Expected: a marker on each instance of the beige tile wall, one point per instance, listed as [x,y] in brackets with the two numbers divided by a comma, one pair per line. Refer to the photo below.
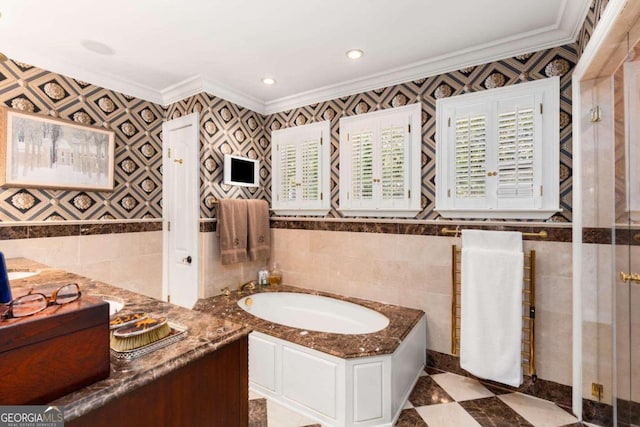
[214,276]
[415,271]
[132,261]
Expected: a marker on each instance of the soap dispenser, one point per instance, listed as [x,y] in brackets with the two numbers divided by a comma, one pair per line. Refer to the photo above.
[5,289]
[275,276]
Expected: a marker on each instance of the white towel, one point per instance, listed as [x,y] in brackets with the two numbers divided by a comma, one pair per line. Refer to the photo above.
[491,299]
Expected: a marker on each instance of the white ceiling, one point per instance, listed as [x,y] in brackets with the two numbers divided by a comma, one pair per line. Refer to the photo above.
[163,51]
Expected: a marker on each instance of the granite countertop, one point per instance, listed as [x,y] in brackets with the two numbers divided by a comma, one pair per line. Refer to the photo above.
[385,341]
[206,334]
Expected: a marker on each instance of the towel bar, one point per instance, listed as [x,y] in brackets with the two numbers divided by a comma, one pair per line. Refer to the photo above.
[528,308]
[542,234]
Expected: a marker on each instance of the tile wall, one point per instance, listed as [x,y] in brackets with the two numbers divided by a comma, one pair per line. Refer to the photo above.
[415,271]
[131,260]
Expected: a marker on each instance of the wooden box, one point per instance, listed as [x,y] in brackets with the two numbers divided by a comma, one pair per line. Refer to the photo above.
[54,352]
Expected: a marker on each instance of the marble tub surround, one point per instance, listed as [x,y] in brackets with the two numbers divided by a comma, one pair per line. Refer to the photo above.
[386,341]
[206,334]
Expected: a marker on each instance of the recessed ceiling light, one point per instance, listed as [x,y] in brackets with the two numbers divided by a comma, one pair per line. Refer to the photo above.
[354,53]
[268,80]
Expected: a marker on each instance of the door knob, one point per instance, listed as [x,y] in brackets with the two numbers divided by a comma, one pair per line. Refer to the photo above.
[186,260]
[631,277]
[178,161]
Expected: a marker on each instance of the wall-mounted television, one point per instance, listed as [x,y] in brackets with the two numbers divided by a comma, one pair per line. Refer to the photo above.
[241,171]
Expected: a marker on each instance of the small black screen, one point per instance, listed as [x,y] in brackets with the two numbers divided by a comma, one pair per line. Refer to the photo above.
[242,171]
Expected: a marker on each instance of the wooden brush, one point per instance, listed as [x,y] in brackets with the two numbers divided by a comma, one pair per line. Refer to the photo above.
[139,334]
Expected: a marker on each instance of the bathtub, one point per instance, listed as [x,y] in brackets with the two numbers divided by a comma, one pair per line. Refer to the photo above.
[314,313]
[358,391]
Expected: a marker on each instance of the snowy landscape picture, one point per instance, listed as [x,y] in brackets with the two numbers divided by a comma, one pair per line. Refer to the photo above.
[43,152]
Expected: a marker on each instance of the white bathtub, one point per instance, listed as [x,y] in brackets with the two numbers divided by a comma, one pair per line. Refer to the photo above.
[314,313]
[362,391]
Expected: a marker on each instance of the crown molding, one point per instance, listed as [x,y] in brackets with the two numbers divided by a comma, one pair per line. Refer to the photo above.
[575,18]
[491,52]
[565,30]
[181,90]
[239,98]
[417,71]
[103,80]
[196,84]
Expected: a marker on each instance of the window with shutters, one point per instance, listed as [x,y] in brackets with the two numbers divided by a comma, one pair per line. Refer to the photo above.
[497,152]
[300,170]
[380,163]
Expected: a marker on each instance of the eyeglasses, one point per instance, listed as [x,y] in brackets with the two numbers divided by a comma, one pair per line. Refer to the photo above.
[33,303]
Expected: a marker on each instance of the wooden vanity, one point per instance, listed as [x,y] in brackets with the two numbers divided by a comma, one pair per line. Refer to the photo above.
[209,391]
[201,380]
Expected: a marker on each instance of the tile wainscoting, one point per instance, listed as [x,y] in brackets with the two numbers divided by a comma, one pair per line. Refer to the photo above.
[414,270]
[125,254]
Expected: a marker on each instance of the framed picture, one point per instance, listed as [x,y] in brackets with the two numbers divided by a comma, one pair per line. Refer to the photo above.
[37,151]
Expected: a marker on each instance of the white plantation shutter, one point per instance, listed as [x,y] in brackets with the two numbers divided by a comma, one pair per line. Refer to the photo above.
[361,165]
[300,165]
[491,161]
[393,140]
[518,152]
[515,153]
[287,172]
[380,163]
[310,170]
[470,153]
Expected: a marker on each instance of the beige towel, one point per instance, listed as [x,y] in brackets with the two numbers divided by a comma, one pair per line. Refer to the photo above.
[258,230]
[232,229]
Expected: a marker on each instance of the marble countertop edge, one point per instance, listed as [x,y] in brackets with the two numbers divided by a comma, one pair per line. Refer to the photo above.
[206,335]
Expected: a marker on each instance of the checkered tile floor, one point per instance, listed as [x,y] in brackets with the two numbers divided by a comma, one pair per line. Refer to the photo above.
[445,400]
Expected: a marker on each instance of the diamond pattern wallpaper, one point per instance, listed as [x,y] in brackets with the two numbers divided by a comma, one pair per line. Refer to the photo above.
[229,128]
[138,152]
[226,128]
[591,20]
[532,66]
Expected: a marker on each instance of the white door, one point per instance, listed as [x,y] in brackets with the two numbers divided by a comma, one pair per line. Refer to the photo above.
[181,210]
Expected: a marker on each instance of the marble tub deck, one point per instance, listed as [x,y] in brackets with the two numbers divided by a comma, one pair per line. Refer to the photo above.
[385,341]
[206,334]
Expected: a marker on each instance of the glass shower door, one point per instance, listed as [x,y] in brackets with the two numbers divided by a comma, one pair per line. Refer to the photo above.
[627,245]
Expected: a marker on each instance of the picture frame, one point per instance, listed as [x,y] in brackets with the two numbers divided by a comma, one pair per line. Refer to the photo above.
[38,151]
